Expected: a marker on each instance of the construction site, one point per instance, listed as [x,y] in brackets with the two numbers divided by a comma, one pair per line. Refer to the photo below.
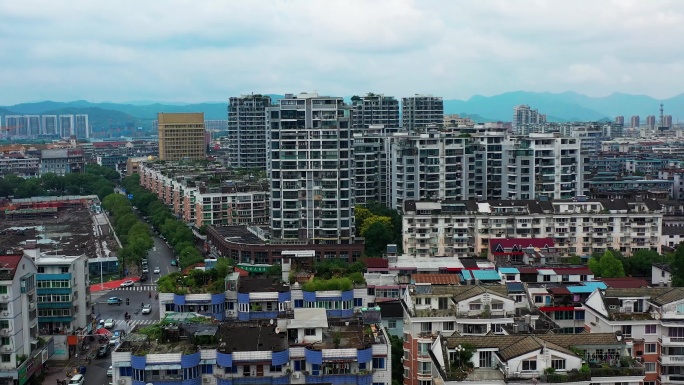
[71,225]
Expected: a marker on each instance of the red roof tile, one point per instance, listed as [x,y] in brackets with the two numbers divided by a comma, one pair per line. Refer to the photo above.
[527,270]
[625,283]
[10,261]
[572,270]
[559,290]
[376,263]
[436,279]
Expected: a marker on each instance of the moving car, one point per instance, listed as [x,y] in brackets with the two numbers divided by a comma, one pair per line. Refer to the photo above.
[127,283]
[147,308]
[77,380]
[174,262]
[109,323]
[116,337]
[110,371]
[157,270]
[103,351]
[114,301]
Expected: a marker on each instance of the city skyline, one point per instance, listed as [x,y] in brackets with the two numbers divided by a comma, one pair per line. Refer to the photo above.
[192,53]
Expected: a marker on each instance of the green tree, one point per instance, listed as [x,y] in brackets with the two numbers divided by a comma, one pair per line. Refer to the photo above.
[377,236]
[678,266]
[607,266]
[639,264]
[372,220]
[575,260]
[397,346]
[360,215]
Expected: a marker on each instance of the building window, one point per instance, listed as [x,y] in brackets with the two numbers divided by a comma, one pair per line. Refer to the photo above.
[358,302]
[3,289]
[627,330]
[529,365]
[391,324]
[475,306]
[424,368]
[497,306]
[379,363]
[558,363]
[650,367]
[449,325]
[6,358]
[426,327]
[650,348]
[650,329]
[309,332]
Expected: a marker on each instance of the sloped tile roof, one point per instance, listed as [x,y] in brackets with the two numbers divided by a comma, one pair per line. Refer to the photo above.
[436,279]
[672,295]
[625,283]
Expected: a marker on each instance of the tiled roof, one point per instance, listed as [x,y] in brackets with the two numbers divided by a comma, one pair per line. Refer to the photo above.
[512,346]
[519,244]
[527,270]
[572,271]
[672,295]
[625,283]
[640,292]
[10,261]
[436,279]
[376,263]
[515,287]
[508,270]
[472,291]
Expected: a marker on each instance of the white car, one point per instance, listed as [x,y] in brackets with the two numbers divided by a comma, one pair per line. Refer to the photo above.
[157,270]
[127,283]
[110,371]
[147,308]
[109,323]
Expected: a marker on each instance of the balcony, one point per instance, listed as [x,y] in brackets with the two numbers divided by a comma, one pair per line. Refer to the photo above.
[671,360]
[672,341]
[672,378]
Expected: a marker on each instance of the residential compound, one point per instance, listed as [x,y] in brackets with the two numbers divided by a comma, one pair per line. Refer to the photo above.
[375,110]
[247,141]
[457,228]
[47,126]
[204,195]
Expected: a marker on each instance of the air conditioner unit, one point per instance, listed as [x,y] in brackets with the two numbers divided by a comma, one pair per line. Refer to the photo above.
[4,332]
[5,296]
[8,348]
[295,375]
[32,306]
[5,313]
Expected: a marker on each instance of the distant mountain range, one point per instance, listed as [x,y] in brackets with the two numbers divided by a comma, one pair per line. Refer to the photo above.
[566,106]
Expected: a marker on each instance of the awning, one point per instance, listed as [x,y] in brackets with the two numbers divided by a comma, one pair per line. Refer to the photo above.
[103,332]
[121,364]
[163,367]
[207,362]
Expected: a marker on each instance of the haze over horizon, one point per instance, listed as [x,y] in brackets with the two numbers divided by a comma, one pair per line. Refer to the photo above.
[181,51]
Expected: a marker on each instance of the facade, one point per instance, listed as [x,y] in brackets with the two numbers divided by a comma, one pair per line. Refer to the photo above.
[463,228]
[62,161]
[81,126]
[375,110]
[634,121]
[247,130]
[620,119]
[651,121]
[50,125]
[310,348]
[181,136]
[523,114]
[66,126]
[311,167]
[20,165]
[421,112]
[372,179]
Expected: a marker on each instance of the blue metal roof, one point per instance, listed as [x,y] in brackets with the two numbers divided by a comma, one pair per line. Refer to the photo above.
[486,275]
[596,284]
[515,287]
[466,275]
[509,270]
[587,287]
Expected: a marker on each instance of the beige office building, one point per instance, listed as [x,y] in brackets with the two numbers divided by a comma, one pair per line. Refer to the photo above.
[181,136]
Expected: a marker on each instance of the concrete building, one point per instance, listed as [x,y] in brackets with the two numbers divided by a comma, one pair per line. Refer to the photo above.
[421,112]
[247,131]
[634,121]
[464,228]
[62,161]
[372,174]
[620,119]
[181,136]
[311,166]
[523,114]
[542,165]
[50,125]
[375,110]
[20,165]
[66,126]
[81,126]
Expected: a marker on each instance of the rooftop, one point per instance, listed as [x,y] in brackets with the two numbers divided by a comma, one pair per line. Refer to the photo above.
[237,337]
[261,285]
[239,234]
[8,266]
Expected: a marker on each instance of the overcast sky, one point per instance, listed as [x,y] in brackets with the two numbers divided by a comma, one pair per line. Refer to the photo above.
[202,50]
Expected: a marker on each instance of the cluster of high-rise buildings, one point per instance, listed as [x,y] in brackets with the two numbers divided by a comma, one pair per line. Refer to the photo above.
[46,126]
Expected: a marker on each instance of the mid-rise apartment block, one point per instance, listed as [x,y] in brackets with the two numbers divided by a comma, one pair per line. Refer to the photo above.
[311,166]
[181,136]
[634,121]
[375,110]
[247,131]
[62,161]
[421,112]
[50,125]
[81,126]
[463,228]
[523,114]
[20,165]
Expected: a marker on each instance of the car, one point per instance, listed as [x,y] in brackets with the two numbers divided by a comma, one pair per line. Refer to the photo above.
[110,371]
[114,301]
[157,270]
[145,270]
[117,335]
[77,380]
[174,262]
[147,308]
[109,323]
[103,351]
[127,283]
[143,278]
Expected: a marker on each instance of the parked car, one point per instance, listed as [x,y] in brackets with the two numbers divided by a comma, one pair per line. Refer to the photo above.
[109,323]
[110,371]
[147,308]
[77,380]
[143,278]
[174,262]
[103,351]
[114,301]
[127,283]
[145,270]
[157,270]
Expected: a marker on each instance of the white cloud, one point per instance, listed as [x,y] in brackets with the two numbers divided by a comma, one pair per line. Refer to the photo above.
[181,50]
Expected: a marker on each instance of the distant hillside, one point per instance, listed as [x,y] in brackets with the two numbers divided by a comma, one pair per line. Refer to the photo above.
[4,111]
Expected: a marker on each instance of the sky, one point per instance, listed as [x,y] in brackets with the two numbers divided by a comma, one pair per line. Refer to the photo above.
[209,50]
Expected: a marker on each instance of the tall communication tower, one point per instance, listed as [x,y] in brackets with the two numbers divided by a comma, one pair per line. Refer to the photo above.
[662,117]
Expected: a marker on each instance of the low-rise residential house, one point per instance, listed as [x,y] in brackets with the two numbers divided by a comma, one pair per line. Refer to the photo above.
[661,274]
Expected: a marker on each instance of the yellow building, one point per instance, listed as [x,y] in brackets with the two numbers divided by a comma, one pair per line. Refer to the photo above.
[181,136]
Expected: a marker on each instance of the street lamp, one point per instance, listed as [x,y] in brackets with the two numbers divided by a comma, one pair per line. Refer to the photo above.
[458,350]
